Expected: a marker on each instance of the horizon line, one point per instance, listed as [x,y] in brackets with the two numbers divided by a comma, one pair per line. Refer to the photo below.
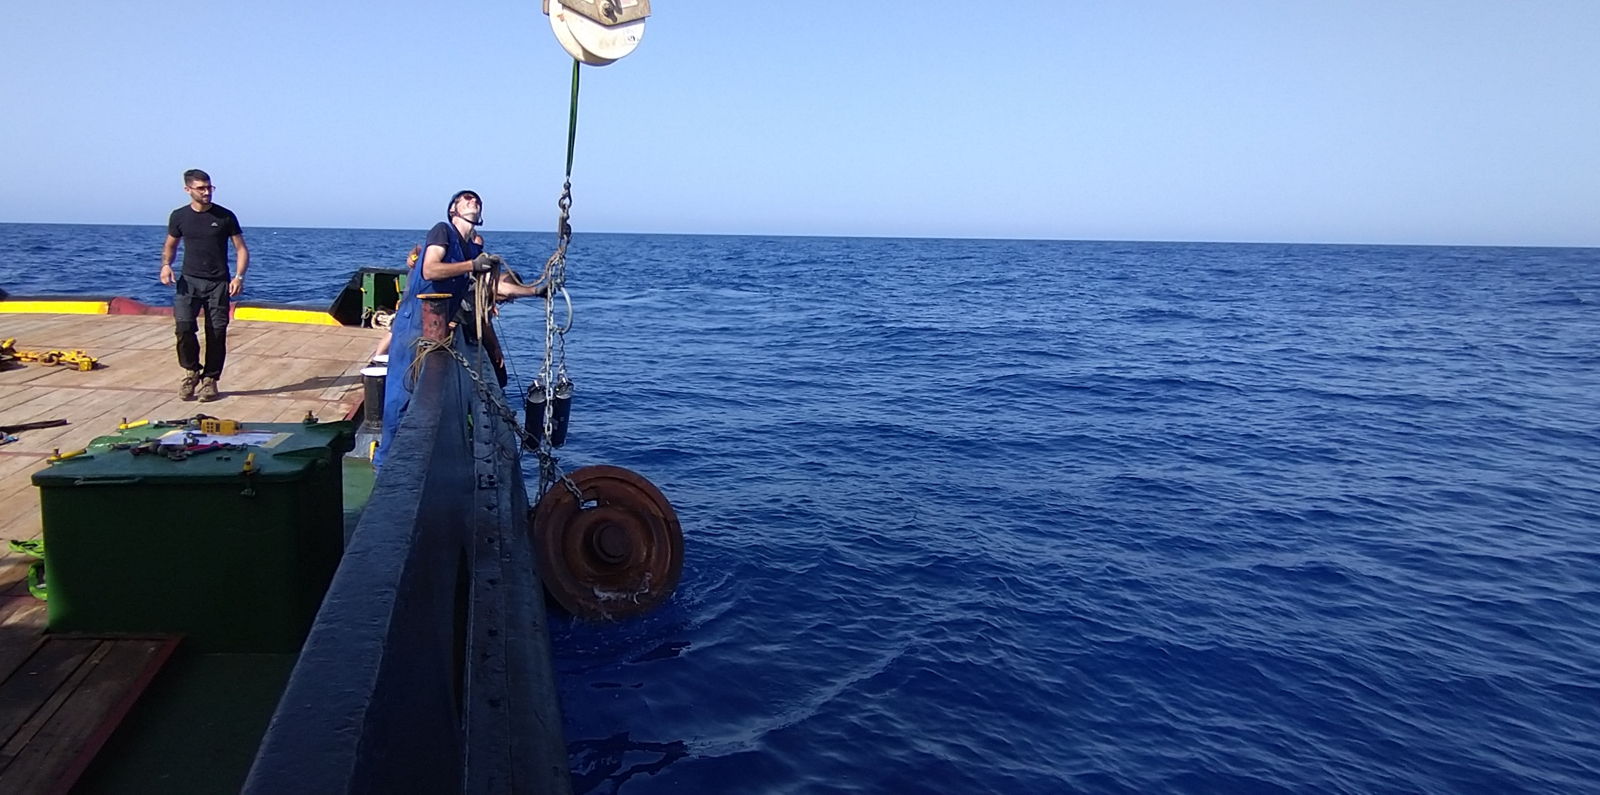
[973,238]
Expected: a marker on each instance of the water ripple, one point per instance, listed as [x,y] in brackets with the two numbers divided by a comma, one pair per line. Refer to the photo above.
[999,516]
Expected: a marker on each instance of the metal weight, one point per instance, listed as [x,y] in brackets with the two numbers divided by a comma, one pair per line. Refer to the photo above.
[561,412]
[615,555]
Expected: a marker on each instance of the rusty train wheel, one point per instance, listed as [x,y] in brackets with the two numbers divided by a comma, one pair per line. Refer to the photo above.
[616,555]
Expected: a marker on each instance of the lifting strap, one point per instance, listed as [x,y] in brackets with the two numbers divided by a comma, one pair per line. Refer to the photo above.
[36,581]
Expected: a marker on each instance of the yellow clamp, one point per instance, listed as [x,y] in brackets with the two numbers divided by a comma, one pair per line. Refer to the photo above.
[78,359]
[60,456]
[84,361]
[128,426]
[217,427]
[249,463]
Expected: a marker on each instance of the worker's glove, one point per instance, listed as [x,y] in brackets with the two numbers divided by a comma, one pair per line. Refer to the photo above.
[484,263]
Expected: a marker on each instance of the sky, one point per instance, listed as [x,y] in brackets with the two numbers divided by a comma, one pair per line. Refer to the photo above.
[1404,121]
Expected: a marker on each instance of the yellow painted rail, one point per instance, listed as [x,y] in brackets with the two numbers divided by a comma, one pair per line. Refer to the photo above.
[56,307]
[284,315]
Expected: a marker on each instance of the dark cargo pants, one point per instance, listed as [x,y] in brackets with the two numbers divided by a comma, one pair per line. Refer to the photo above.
[193,296]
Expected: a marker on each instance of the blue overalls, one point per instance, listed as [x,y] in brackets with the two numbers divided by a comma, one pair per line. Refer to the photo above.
[407,329]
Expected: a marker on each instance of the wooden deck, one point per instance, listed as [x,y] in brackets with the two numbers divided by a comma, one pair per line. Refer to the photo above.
[275,373]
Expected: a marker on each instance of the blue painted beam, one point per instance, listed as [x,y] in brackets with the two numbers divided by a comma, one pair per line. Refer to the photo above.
[428,668]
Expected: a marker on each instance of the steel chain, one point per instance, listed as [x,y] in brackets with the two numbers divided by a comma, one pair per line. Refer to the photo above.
[507,414]
[552,371]
[555,356]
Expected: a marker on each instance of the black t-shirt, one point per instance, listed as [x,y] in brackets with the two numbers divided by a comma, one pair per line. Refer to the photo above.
[205,239]
[441,234]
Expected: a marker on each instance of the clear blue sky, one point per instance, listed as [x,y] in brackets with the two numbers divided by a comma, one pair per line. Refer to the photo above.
[1454,122]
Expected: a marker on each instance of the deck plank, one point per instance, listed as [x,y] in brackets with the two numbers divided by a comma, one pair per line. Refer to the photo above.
[20,395]
[30,688]
[21,508]
[90,407]
[81,717]
[14,576]
[12,779]
[19,637]
[16,464]
[32,404]
[23,521]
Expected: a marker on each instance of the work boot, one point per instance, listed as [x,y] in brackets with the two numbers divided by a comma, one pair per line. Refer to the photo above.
[208,390]
[186,388]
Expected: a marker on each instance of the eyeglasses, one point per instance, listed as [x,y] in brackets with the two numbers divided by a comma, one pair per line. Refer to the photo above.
[201,188]
[471,197]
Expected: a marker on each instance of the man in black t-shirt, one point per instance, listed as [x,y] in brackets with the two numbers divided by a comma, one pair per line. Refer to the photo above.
[205,230]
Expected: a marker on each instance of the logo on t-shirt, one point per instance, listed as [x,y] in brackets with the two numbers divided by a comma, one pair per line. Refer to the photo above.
[213,223]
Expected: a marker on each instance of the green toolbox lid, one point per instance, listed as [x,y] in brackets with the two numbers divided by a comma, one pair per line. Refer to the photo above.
[149,455]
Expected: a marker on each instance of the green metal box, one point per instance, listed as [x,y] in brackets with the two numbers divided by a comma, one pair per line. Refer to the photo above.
[235,560]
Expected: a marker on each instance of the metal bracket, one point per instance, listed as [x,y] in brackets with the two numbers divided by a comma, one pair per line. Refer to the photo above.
[609,12]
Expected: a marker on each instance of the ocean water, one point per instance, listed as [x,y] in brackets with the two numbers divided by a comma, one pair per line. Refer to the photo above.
[1003,516]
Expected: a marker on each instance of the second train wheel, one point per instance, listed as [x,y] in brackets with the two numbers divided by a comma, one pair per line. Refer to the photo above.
[615,555]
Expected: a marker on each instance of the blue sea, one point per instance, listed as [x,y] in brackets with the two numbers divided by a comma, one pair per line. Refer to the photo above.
[973,516]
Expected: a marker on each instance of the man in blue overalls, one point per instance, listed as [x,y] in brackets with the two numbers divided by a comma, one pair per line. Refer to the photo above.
[449,258]
[451,255]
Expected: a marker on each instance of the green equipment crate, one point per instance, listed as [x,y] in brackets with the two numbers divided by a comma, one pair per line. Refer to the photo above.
[235,561]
